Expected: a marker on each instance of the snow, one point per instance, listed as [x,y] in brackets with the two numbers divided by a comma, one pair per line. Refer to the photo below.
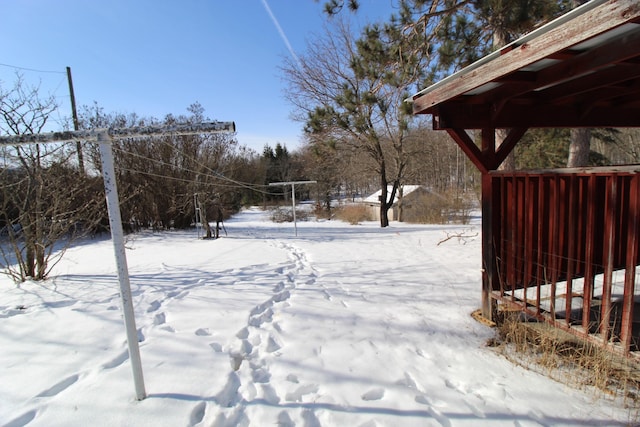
[341,326]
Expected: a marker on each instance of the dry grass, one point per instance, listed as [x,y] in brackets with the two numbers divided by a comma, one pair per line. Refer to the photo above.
[568,359]
[353,214]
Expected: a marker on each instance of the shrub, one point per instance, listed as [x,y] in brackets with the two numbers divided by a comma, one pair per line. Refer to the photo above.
[354,214]
[282,214]
[434,208]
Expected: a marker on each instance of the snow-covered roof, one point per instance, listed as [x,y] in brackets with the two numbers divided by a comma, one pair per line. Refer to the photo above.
[407,189]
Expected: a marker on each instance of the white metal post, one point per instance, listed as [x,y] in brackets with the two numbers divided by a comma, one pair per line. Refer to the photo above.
[197,210]
[293,205]
[293,196]
[117,235]
[104,138]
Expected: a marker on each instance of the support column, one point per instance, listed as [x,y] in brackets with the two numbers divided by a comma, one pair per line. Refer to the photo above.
[489,273]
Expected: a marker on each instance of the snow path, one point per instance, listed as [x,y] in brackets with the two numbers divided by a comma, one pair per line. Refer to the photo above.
[342,326]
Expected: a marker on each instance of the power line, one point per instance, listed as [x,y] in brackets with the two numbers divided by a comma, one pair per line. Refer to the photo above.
[212,174]
[248,185]
[31,69]
[191,181]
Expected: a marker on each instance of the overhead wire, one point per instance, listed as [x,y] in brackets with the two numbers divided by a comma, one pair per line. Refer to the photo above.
[212,174]
[60,120]
[32,69]
[216,173]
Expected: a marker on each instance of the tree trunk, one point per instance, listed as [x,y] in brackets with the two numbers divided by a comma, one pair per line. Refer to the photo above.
[205,222]
[384,212]
[500,38]
[30,261]
[580,138]
[207,229]
[400,204]
[509,163]
[579,148]
[219,217]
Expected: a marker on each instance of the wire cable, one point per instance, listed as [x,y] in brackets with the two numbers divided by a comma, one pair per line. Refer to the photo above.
[213,174]
[32,69]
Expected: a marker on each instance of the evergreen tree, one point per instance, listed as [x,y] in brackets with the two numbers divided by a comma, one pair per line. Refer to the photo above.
[357,97]
[456,33]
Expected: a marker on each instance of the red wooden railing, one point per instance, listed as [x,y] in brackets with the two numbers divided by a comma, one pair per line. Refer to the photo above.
[566,247]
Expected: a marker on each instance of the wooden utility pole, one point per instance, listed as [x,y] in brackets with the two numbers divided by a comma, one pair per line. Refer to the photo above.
[76,125]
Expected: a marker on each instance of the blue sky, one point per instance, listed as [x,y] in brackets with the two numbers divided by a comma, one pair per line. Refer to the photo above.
[158,57]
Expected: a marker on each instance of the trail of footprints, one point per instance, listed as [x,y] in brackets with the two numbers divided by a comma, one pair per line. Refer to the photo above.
[260,340]
[249,376]
[60,387]
[256,343]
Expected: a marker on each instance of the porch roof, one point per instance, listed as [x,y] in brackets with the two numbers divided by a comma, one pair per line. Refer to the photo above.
[580,70]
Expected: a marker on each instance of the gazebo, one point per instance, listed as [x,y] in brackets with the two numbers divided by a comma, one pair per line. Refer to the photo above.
[560,245]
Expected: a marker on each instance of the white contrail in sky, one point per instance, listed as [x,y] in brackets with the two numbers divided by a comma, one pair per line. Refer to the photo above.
[282,34]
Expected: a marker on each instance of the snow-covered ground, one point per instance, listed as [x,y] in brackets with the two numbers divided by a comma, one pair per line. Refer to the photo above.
[341,326]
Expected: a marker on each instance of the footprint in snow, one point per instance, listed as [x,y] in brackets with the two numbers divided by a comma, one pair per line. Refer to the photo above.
[297,394]
[60,304]
[59,387]
[310,419]
[260,374]
[155,305]
[177,294]
[203,332]
[237,418]
[117,361]
[265,317]
[22,420]
[197,413]
[269,394]
[439,417]
[292,378]
[284,420]
[229,394]
[373,394]
[159,319]
[273,345]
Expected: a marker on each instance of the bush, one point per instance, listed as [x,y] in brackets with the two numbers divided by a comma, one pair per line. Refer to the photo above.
[354,214]
[282,214]
[434,208]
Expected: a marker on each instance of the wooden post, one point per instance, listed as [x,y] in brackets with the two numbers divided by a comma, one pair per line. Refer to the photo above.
[489,274]
[76,124]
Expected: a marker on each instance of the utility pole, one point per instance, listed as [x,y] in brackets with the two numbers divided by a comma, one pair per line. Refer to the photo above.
[293,196]
[76,125]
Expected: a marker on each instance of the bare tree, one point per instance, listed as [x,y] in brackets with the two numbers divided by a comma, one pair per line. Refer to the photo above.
[44,204]
[158,177]
[352,92]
